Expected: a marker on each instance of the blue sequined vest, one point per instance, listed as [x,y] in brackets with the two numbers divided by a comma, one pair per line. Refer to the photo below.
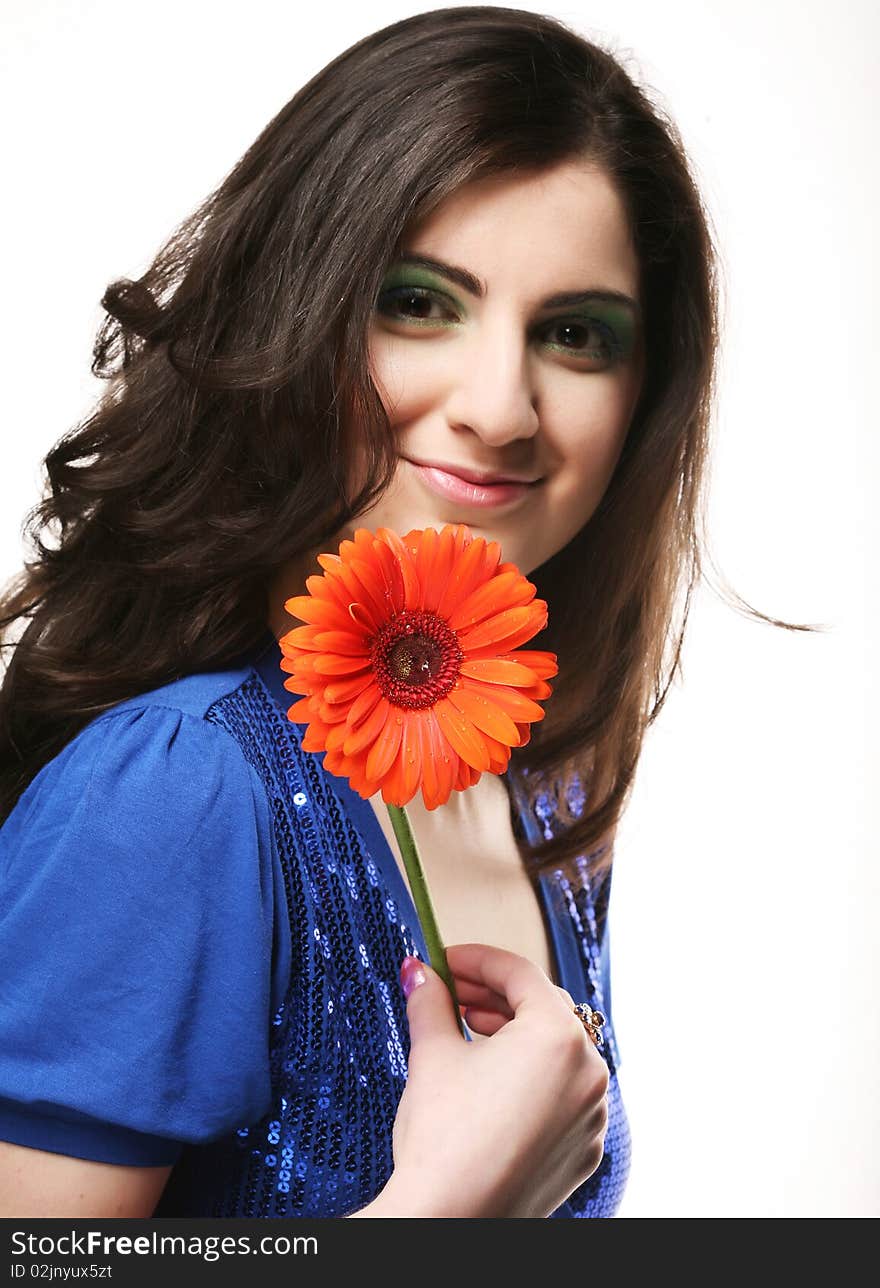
[339,1042]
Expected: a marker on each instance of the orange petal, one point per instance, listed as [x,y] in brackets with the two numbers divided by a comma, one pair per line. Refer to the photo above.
[393,789]
[391,574]
[525,733]
[321,587]
[511,701]
[426,555]
[467,776]
[494,670]
[496,627]
[330,715]
[300,712]
[363,704]
[484,713]
[466,575]
[441,566]
[460,732]
[348,690]
[462,538]
[332,590]
[296,688]
[329,562]
[406,567]
[301,667]
[366,735]
[491,557]
[430,782]
[542,663]
[411,754]
[349,767]
[297,638]
[442,755]
[335,763]
[365,575]
[499,752]
[319,611]
[539,692]
[363,537]
[362,617]
[334,664]
[506,590]
[342,642]
[500,631]
[313,738]
[348,589]
[294,685]
[335,737]
[384,749]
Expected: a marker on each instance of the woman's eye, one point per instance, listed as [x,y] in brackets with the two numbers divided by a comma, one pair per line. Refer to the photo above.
[589,339]
[414,304]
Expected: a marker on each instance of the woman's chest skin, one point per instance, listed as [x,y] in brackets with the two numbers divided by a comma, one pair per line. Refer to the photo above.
[476,876]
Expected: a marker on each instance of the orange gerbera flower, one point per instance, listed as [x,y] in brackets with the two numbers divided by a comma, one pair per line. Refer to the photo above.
[409,662]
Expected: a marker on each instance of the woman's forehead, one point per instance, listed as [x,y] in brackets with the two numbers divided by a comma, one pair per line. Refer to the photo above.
[538,228]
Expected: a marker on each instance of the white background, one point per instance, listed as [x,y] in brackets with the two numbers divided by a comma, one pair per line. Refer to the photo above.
[745,957]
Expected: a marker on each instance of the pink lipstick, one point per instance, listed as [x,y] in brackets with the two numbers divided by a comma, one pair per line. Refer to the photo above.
[444,483]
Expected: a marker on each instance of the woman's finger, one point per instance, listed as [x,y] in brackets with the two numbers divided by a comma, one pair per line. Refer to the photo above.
[479,995]
[519,981]
[485,1022]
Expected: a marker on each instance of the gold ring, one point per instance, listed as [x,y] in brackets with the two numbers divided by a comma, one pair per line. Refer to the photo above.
[591,1020]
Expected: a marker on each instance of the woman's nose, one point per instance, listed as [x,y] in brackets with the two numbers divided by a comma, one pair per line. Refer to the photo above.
[491,390]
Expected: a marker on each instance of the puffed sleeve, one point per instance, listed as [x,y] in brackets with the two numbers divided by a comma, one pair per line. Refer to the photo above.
[137,909]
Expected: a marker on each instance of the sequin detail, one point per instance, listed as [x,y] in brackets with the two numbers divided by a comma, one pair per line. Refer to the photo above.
[539,811]
[339,1043]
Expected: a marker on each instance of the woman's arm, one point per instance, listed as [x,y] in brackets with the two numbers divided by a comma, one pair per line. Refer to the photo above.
[509,1127]
[36,1183]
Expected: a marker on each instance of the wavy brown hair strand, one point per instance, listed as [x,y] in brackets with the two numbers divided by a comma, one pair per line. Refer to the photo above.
[238,390]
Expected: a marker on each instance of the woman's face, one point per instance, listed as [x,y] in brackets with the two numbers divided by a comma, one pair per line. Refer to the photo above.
[482,367]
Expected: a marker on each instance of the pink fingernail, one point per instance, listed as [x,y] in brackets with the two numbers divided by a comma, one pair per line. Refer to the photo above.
[412,974]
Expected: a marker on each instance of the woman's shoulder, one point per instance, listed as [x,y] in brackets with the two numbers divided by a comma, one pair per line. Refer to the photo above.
[180,706]
[155,759]
[192,694]
[138,889]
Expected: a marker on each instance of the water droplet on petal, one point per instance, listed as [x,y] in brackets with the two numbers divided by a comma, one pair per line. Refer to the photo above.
[398,719]
[411,758]
[446,760]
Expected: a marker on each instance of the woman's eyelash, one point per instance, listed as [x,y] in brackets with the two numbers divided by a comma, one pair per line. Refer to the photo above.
[608,346]
[401,293]
[608,337]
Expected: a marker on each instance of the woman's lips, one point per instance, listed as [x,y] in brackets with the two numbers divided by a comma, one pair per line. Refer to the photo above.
[441,483]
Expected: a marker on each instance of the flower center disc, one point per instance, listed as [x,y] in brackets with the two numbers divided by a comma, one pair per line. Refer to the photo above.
[416,659]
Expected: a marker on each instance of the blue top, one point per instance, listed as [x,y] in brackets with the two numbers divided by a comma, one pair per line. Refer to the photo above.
[201,933]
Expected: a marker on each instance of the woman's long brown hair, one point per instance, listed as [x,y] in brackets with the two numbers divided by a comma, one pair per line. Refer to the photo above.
[237,371]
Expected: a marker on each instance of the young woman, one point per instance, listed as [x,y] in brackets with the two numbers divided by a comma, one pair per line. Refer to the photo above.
[469,247]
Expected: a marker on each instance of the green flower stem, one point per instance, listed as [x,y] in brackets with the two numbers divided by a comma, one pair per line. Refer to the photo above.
[422,900]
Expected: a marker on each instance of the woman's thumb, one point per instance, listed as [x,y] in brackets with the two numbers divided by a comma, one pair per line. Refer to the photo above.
[429,1006]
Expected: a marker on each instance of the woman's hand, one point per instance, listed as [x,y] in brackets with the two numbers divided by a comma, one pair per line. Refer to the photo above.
[505,1127]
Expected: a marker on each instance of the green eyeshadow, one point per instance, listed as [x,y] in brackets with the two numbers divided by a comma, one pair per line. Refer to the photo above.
[406,275]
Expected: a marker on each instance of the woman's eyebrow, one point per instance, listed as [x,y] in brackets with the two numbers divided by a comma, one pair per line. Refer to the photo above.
[566,299]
